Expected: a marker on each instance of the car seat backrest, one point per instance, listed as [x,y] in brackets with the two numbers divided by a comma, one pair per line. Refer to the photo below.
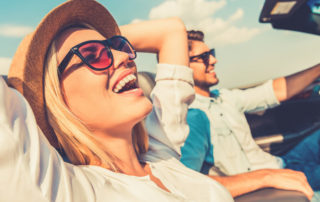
[146,82]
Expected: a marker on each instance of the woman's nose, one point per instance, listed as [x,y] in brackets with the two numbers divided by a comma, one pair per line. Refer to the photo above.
[120,59]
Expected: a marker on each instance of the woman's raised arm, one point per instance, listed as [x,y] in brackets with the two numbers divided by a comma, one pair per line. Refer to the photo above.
[166,37]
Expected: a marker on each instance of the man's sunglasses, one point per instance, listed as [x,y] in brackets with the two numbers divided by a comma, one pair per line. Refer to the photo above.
[205,57]
[97,54]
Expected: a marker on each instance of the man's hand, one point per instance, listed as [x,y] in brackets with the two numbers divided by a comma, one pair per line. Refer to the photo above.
[289,180]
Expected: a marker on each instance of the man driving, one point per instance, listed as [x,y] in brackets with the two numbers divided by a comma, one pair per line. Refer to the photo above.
[220,135]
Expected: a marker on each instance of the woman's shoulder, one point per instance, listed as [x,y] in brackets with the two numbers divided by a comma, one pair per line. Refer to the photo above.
[179,176]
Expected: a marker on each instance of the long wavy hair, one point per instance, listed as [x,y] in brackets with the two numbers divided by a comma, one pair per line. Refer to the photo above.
[75,138]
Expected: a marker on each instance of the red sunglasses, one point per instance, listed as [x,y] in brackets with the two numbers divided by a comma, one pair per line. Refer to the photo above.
[97,54]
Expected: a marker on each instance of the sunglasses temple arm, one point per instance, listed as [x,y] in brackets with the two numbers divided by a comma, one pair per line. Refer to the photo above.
[65,62]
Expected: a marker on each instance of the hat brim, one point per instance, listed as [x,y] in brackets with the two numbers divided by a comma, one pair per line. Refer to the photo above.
[26,72]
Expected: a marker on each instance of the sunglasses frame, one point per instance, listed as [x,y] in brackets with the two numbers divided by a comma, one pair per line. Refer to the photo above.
[203,55]
[107,43]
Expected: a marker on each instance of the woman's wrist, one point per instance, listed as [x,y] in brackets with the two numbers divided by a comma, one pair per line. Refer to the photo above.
[174,49]
[167,37]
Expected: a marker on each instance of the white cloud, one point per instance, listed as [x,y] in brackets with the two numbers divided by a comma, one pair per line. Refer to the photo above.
[237,15]
[136,20]
[4,65]
[14,30]
[191,11]
[200,15]
[233,35]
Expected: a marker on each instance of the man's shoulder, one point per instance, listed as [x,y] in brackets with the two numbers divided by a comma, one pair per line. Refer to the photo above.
[230,95]
[225,91]
[199,124]
[197,115]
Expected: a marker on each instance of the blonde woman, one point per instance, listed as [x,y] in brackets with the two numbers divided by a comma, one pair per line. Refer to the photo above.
[78,75]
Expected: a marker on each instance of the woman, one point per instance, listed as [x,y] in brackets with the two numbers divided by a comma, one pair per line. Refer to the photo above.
[79,77]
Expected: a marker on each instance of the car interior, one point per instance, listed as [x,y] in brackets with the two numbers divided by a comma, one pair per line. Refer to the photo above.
[270,135]
[279,129]
[295,15]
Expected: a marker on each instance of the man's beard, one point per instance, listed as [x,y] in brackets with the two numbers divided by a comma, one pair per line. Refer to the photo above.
[205,85]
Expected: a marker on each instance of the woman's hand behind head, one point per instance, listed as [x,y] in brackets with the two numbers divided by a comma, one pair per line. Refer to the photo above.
[166,37]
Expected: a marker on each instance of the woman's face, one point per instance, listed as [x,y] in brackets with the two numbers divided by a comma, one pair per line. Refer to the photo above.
[91,95]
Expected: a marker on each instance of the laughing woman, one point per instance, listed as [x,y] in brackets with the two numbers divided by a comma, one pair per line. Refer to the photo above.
[78,75]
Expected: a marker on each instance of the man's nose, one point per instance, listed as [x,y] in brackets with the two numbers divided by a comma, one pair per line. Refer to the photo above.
[212,60]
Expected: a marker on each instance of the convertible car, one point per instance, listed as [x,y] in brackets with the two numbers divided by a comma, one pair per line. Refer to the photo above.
[279,129]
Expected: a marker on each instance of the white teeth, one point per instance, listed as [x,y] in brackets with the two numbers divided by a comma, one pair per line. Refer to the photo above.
[123,82]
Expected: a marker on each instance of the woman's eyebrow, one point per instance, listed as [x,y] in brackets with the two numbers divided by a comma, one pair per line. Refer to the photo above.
[89,49]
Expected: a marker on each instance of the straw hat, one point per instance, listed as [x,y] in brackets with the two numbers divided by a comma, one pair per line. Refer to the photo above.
[27,67]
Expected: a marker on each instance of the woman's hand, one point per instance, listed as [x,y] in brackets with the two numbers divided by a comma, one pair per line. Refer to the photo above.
[289,180]
[166,37]
[276,178]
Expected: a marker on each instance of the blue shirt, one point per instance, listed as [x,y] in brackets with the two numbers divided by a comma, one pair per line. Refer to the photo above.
[198,149]
[234,149]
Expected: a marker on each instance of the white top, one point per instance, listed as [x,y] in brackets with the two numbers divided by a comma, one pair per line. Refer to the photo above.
[32,170]
[234,149]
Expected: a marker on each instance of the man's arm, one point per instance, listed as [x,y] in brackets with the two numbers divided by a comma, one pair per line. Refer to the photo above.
[273,178]
[289,86]
[193,155]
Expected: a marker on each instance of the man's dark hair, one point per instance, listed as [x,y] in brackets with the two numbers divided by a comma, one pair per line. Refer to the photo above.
[195,35]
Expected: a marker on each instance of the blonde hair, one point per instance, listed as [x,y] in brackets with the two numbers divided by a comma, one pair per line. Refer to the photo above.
[75,138]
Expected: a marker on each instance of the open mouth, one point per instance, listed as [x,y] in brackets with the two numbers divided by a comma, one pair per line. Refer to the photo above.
[126,84]
[210,70]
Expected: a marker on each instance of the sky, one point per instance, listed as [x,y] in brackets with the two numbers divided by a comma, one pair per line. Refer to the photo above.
[247,51]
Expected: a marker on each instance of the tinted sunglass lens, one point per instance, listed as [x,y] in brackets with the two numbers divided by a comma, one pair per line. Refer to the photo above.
[206,58]
[96,55]
[123,45]
[213,52]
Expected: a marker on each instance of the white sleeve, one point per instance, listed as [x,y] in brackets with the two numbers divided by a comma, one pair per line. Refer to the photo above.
[253,99]
[171,97]
[31,169]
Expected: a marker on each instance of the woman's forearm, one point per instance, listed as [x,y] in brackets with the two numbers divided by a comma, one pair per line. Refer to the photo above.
[166,37]
[276,178]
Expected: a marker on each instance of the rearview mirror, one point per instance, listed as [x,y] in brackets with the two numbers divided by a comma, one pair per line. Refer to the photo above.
[297,15]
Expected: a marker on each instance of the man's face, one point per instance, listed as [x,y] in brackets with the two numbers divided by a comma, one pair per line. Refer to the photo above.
[203,74]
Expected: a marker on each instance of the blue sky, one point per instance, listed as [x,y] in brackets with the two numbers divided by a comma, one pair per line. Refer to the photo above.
[248,52]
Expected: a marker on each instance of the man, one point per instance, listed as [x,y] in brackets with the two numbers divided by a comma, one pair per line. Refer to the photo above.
[220,135]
